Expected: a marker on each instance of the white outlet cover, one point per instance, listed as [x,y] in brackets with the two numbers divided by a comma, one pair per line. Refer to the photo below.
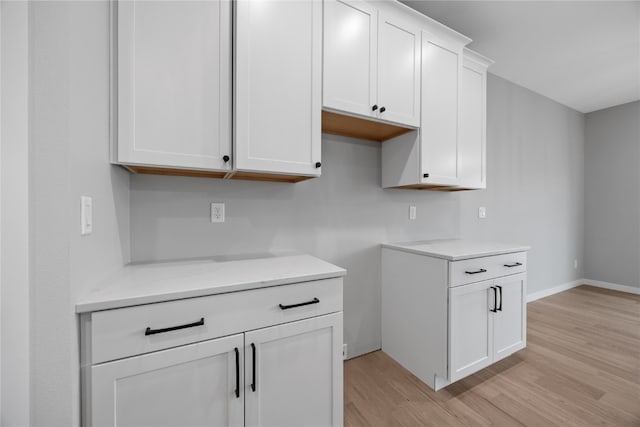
[86,215]
[482,212]
[217,212]
[413,212]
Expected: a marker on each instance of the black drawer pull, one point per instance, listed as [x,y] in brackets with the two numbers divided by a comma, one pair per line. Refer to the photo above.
[253,379]
[495,300]
[517,264]
[500,306]
[482,270]
[150,331]
[286,307]
[237,373]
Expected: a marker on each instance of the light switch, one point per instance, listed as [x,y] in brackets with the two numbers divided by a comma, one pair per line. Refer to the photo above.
[482,212]
[86,215]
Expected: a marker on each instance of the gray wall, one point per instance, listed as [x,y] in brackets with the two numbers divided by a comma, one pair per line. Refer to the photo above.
[535,183]
[69,101]
[612,203]
[535,197]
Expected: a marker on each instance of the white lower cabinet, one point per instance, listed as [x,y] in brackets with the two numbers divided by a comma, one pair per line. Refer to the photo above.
[282,368]
[294,374]
[444,319]
[192,385]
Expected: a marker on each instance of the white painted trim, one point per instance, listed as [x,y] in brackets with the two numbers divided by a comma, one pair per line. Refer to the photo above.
[612,286]
[556,289]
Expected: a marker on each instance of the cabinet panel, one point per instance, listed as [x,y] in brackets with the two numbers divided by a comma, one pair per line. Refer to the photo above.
[398,70]
[350,56]
[173,80]
[298,374]
[439,123]
[472,158]
[278,86]
[470,329]
[193,385]
[510,322]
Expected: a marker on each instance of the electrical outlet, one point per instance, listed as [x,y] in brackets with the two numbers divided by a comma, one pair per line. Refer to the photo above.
[575,264]
[344,351]
[482,212]
[413,212]
[217,212]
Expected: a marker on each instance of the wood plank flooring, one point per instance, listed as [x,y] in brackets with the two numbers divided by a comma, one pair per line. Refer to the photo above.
[581,367]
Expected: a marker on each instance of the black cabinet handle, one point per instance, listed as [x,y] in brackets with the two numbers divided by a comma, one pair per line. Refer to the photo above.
[318,164]
[253,379]
[516,264]
[237,372]
[374,108]
[226,158]
[150,331]
[495,300]
[383,109]
[500,307]
[286,307]
[482,270]
[425,175]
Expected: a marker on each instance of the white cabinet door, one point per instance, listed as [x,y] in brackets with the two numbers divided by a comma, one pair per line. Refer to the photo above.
[398,70]
[350,56]
[441,67]
[293,373]
[510,322]
[472,142]
[173,80]
[278,86]
[192,385]
[470,328]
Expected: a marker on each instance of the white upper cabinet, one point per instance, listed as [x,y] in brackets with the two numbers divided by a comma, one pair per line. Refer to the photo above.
[473,119]
[172,84]
[278,87]
[350,29]
[371,62]
[441,69]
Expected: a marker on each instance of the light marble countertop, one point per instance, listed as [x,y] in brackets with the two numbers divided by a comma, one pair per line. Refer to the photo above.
[456,249]
[148,283]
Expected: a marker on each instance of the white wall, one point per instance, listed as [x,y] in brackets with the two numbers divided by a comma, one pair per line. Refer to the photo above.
[14,224]
[69,51]
[535,197]
[612,204]
[535,183]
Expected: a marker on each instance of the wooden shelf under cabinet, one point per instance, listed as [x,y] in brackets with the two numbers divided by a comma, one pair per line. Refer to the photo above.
[356,127]
[241,175]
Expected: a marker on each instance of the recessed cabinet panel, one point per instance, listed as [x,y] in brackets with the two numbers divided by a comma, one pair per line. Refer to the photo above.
[173,81]
[350,56]
[470,329]
[298,373]
[278,86]
[398,70]
[510,320]
[192,385]
[439,125]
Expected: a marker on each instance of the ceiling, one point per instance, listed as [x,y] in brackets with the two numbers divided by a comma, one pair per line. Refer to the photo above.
[583,54]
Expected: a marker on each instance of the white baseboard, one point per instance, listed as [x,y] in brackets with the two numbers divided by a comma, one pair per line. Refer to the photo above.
[597,283]
[612,286]
[560,288]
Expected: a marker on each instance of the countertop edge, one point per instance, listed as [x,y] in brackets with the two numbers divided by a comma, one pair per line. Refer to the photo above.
[456,258]
[89,306]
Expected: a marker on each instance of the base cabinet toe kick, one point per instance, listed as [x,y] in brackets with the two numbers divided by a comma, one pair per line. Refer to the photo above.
[268,356]
[445,319]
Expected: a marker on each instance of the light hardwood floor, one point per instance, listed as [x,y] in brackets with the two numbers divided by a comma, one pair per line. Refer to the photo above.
[581,367]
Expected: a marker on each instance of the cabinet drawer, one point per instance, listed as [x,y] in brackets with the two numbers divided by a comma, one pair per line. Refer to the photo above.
[141,329]
[484,268]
